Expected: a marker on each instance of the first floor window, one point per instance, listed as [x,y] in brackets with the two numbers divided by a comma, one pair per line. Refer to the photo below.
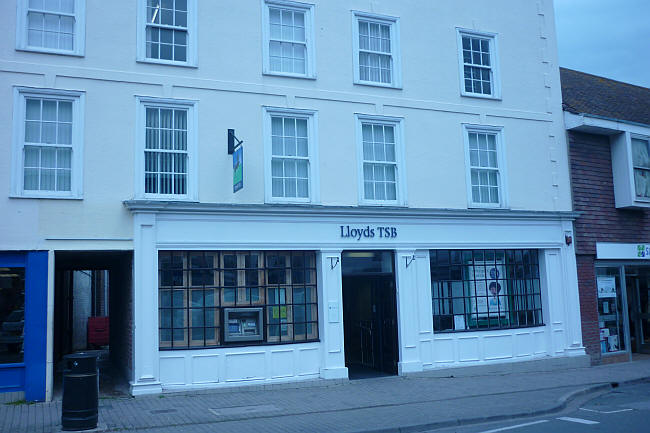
[167,31]
[216,298]
[380,162]
[485,289]
[48,143]
[484,168]
[166,144]
[291,155]
[641,163]
[166,151]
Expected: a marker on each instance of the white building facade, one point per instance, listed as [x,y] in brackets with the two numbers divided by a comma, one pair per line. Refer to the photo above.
[405,202]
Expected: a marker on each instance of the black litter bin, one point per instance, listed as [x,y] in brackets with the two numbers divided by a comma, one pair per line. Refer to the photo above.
[80,392]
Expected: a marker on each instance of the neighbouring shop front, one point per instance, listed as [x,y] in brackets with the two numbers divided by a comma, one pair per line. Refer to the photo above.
[623,287]
[23,325]
[226,296]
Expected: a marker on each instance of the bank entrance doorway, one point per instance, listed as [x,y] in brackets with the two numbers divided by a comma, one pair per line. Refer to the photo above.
[637,284]
[369,313]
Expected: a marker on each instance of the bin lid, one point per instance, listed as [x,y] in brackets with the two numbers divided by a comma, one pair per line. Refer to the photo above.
[83,355]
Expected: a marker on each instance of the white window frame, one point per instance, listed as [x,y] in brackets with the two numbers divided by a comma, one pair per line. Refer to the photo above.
[192,60]
[400,158]
[494,60]
[192,146]
[308,10]
[501,161]
[639,200]
[17,159]
[312,135]
[393,22]
[79,41]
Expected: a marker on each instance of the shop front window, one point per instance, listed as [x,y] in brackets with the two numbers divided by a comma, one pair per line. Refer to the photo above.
[12,315]
[610,310]
[485,289]
[217,298]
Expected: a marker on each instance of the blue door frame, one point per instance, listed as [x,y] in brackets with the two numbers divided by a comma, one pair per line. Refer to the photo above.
[29,375]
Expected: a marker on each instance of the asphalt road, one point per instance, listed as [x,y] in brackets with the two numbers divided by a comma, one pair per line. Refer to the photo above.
[625,409]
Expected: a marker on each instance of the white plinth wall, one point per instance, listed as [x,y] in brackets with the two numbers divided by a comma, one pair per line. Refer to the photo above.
[158,227]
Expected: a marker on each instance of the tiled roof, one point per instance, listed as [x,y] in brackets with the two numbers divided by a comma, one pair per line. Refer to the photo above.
[590,94]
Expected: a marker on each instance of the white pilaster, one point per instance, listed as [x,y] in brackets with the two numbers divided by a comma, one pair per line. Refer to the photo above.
[407,311]
[145,308]
[572,296]
[330,284]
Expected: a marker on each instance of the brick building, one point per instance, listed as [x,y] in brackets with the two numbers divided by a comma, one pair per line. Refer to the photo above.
[608,124]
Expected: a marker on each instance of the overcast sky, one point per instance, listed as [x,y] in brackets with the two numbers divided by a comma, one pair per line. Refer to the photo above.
[610,38]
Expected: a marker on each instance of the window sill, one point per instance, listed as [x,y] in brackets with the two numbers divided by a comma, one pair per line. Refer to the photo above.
[486,206]
[460,331]
[40,50]
[275,200]
[168,63]
[382,203]
[183,198]
[480,96]
[288,75]
[373,84]
[46,196]
[230,346]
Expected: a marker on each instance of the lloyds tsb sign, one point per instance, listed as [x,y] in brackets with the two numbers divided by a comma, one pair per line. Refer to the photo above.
[368,232]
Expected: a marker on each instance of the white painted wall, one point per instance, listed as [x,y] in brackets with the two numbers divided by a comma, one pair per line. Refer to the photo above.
[231,90]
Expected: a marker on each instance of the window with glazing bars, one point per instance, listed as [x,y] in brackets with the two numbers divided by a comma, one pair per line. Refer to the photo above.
[379,162]
[47,145]
[641,163]
[195,287]
[485,289]
[290,157]
[484,167]
[165,151]
[287,41]
[477,64]
[375,52]
[50,24]
[166,30]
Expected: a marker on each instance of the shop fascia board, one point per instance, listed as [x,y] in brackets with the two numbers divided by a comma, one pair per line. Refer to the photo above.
[172,207]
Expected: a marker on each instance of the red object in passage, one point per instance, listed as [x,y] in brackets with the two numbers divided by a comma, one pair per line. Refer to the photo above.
[98,331]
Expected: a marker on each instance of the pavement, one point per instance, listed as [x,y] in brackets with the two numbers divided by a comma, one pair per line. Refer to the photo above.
[412,403]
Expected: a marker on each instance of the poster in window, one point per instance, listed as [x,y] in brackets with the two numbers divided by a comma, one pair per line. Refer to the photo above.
[488,289]
[606,287]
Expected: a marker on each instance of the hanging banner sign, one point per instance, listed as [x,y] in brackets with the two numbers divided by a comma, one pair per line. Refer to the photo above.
[238,169]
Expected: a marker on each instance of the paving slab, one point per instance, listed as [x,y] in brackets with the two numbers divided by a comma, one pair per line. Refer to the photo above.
[408,403]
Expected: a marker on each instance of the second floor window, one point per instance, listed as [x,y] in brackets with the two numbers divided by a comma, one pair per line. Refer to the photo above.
[377,50]
[288,46]
[641,162]
[167,32]
[479,75]
[54,26]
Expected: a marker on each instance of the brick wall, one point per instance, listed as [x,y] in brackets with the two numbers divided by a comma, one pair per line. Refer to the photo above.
[593,196]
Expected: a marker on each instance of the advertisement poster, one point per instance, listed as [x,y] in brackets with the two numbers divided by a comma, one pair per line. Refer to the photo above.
[606,287]
[238,169]
[490,289]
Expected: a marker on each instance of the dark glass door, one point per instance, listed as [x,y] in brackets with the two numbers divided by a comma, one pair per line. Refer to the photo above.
[370,312]
[638,291]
